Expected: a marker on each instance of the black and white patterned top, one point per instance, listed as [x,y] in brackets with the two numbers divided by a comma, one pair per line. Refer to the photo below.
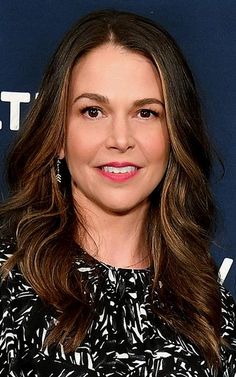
[126,339]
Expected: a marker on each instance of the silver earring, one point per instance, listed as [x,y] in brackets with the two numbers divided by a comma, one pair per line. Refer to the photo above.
[58,171]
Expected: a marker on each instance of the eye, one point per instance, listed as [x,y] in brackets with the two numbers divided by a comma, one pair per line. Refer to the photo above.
[147,113]
[91,112]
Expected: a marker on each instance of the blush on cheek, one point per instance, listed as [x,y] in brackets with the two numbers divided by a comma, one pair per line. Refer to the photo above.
[158,151]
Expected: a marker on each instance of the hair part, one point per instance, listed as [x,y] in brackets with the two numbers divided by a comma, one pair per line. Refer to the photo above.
[180,223]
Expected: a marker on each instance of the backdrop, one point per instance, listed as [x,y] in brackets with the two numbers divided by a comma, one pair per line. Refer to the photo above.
[206,31]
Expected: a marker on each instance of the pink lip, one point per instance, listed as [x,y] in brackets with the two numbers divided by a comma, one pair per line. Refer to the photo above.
[119,164]
[121,177]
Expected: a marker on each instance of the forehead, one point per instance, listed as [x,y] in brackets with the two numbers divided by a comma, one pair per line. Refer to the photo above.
[111,67]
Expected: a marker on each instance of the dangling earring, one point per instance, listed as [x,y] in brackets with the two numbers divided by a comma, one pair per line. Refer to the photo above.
[58,170]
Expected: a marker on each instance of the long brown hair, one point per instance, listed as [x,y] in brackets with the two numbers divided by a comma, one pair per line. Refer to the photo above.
[41,217]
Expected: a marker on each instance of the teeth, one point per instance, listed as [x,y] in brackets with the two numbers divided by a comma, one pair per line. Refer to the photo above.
[125,169]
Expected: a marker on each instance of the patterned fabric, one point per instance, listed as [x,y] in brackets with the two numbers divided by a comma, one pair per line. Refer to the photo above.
[126,339]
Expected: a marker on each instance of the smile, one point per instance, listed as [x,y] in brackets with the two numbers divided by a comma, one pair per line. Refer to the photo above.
[118,174]
[116,170]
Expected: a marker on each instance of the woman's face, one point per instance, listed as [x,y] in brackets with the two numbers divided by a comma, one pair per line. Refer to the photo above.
[116,115]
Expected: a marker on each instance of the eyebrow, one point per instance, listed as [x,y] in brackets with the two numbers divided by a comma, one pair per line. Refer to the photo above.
[102,99]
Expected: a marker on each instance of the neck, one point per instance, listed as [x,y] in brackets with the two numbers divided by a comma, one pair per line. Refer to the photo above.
[115,238]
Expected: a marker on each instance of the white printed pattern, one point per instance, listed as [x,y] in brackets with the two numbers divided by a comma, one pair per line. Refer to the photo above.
[124,340]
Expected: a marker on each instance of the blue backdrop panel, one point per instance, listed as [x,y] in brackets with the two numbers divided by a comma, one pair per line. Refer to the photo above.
[206,31]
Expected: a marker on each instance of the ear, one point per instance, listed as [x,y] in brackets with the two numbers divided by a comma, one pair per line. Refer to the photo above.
[61,154]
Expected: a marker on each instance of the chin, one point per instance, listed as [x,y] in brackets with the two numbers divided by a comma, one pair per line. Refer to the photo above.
[118,208]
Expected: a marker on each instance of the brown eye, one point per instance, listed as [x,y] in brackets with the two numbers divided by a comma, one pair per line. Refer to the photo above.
[91,112]
[146,113]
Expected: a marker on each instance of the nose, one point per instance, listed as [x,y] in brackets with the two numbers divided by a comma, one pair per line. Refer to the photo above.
[120,134]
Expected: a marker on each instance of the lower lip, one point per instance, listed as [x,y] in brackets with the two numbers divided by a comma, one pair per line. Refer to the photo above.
[118,177]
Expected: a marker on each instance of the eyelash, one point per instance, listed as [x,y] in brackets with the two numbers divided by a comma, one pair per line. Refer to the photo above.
[87,108]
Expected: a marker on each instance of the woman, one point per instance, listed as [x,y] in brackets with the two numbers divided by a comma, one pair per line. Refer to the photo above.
[106,235]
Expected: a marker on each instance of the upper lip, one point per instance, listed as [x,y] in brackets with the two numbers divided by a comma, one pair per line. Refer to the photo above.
[119,164]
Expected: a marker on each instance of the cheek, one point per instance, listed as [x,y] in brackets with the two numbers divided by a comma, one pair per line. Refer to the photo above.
[78,144]
[158,148]
[74,150]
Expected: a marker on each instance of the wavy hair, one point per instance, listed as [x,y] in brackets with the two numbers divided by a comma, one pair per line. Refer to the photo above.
[179,227]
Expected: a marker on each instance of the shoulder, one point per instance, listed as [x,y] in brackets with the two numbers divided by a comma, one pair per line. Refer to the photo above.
[228,333]
[17,297]
[13,288]
[17,301]
[227,300]
[7,247]
[228,309]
